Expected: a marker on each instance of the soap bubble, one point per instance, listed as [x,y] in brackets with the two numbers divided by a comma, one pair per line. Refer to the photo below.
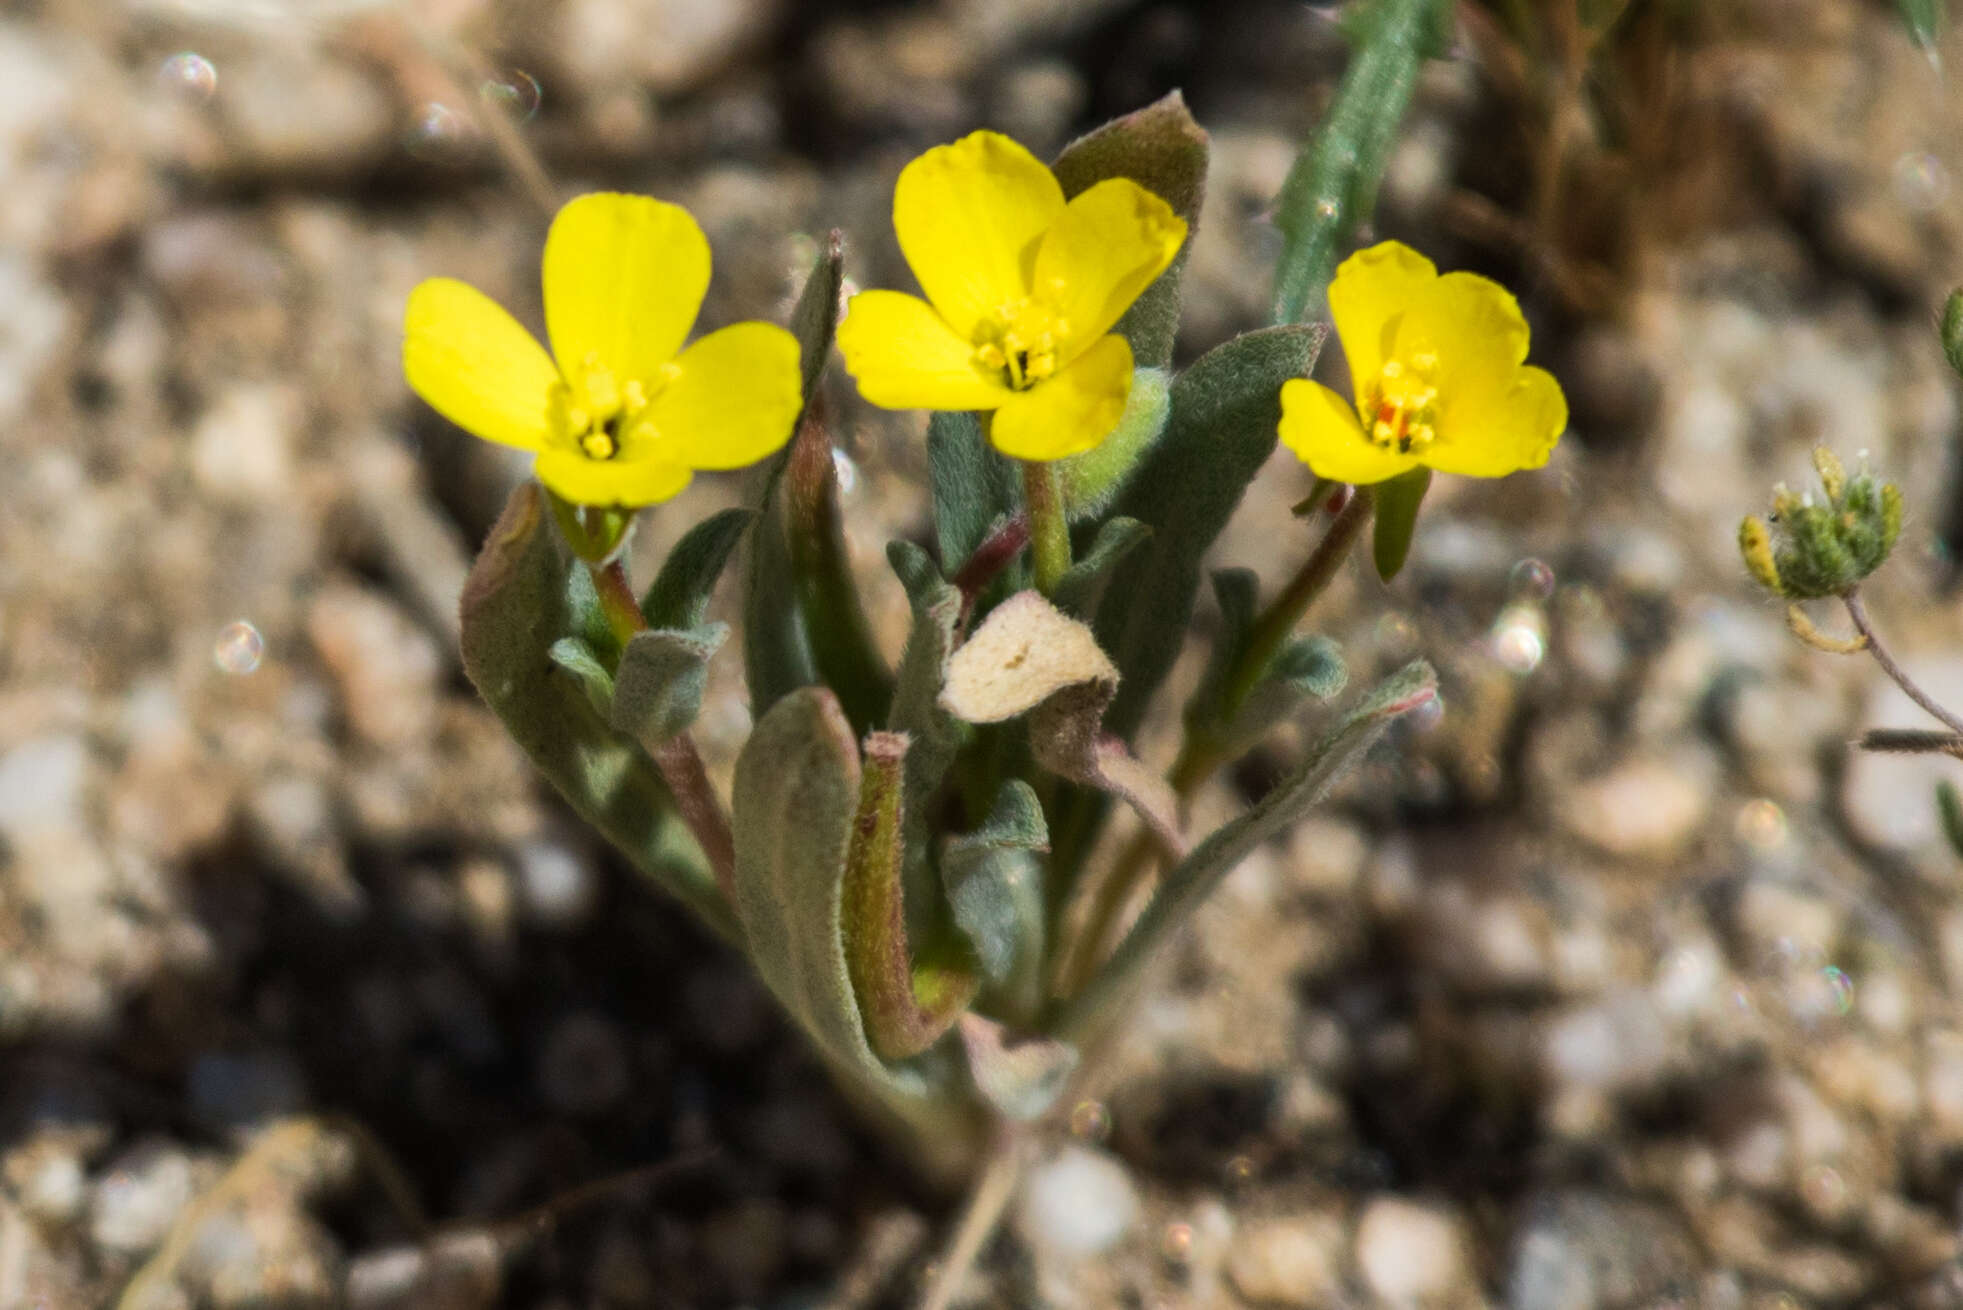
[514,91]
[437,131]
[1519,638]
[190,75]
[1532,579]
[239,648]
[1921,182]
[1090,1121]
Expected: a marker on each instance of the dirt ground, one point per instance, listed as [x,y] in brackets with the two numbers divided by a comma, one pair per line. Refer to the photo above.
[1624,982]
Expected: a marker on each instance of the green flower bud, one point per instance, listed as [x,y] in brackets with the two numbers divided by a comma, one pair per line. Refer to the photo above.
[1823,547]
[1092,480]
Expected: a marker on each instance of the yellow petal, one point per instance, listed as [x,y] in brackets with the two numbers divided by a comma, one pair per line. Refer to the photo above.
[1518,432]
[624,482]
[1101,254]
[733,398]
[905,357]
[475,366]
[1371,291]
[1071,412]
[1321,427]
[624,276]
[968,216]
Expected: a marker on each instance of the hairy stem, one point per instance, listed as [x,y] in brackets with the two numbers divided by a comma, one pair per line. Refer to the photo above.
[1049,530]
[1277,623]
[1859,614]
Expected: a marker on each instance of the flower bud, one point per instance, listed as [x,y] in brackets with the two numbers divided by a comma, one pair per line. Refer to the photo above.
[1755,544]
[1816,547]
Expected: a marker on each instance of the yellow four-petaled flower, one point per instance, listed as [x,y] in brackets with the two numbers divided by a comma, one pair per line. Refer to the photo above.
[1022,291]
[1438,368]
[625,415]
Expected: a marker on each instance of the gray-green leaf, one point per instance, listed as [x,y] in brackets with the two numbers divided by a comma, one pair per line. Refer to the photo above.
[515,607]
[657,690]
[1225,410]
[680,594]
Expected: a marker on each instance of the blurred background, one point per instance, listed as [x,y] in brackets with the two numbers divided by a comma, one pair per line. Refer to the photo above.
[1624,982]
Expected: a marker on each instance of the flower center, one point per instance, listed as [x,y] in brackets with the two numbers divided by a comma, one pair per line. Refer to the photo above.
[1400,409]
[600,415]
[1019,342]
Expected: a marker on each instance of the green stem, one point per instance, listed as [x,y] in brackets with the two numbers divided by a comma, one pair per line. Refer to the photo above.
[1277,623]
[617,599]
[1049,529]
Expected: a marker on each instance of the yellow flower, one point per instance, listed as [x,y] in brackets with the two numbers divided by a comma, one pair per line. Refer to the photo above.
[1438,368]
[1022,292]
[621,418]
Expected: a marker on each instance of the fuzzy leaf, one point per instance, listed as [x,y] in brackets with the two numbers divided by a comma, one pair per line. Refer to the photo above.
[975,486]
[578,659]
[814,319]
[1194,879]
[909,992]
[1332,188]
[1162,149]
[995,887]
[916,711]
[796,799]
[1020,1075]
[1030,658]
[679,597]
[515,608]
[657,690]
[777,654]
[836,630]
[1225,410]
[1082,583]
[1397,519]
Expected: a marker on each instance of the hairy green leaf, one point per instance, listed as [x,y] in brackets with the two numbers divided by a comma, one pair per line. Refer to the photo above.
[994,883]
[515,608]
[1077,591]
[916,711]
[1332,188]
[680,595]
[777,651]
[796,802]
[1225,410]
[577,658]
[657,690]
[1162,149]
[975,486]
[910,991]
